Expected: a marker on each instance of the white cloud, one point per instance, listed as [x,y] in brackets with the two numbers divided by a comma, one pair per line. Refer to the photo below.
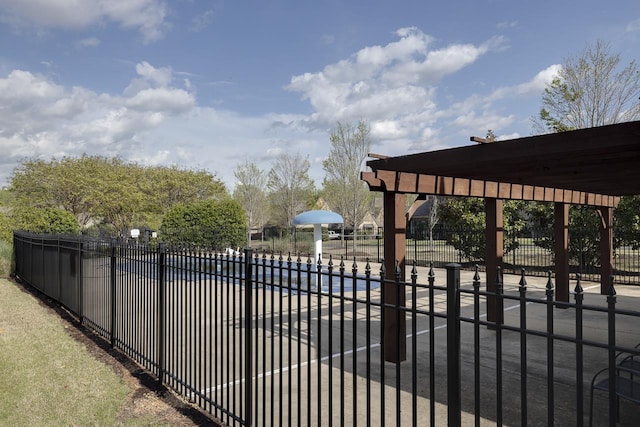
[162,100]
[507,24]
[327,39]
[201,21]
[41,118]
[88,42]
[23,88]
[147,16]
[160,76]
[394,87]
[540,81]
[156,119]
[634,26]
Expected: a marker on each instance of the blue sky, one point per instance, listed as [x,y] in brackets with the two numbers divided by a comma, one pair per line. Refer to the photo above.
[211,84]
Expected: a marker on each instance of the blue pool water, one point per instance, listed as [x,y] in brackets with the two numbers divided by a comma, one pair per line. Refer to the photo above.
[185,269]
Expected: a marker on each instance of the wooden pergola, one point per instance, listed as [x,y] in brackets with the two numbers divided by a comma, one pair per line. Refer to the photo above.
[591,167]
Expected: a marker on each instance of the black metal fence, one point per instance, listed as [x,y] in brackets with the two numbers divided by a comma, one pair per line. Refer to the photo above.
[262,339]
[527,253]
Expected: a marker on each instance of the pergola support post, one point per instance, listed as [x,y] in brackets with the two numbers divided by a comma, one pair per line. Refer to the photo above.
[561,250]
[494,234]
[606,248]
[395,324]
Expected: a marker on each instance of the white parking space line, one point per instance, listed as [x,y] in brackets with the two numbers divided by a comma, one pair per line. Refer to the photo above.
[345,353]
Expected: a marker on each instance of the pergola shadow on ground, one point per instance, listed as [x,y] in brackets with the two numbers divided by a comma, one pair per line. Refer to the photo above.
[592,167]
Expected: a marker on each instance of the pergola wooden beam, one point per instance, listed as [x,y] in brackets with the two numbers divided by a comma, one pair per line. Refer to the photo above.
[395,324]
[413,183]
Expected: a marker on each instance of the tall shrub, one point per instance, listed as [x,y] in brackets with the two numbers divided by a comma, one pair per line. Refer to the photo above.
[210,223]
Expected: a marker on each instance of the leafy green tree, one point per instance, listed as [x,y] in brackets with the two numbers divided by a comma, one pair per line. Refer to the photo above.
[45,220]
[291,189]
[251,193]
[121,202]
[207,223]
[465,218]
[6,229]
[591,89]
[344,191]
[109,193]
[584,239]
[164,187]
[68,183]
[626,222]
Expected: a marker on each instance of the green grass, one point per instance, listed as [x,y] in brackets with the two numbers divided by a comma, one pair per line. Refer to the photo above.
[46,377]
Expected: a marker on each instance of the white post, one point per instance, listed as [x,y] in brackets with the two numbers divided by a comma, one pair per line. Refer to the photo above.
[317,251]
[317,237]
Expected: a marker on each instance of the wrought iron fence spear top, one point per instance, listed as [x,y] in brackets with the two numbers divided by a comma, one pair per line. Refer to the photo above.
[612,289]
[523,281]
[549,286]
[578,289]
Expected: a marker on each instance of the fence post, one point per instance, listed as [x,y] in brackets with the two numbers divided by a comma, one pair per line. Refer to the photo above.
[248,324]
[453,345]
[162,262]
[611,317]
[80,281]
[113,294]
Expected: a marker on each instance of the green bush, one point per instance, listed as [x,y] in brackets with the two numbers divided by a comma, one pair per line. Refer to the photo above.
[6,230]
[6,258]
[584,237]
[467,216]
[210,223]
[45,220]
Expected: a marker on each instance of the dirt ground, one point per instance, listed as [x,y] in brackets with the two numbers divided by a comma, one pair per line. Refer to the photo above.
[147,402]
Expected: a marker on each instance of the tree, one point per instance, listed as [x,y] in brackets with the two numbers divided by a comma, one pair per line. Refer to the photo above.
[44,220]
[67,183]
[584,240]
[205,223]
[108,192]
[87,186]
[164,186]
[465,217]
[344,191]
[250,192]
[118,199]
[291,189]
[591,90]
[626,222]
